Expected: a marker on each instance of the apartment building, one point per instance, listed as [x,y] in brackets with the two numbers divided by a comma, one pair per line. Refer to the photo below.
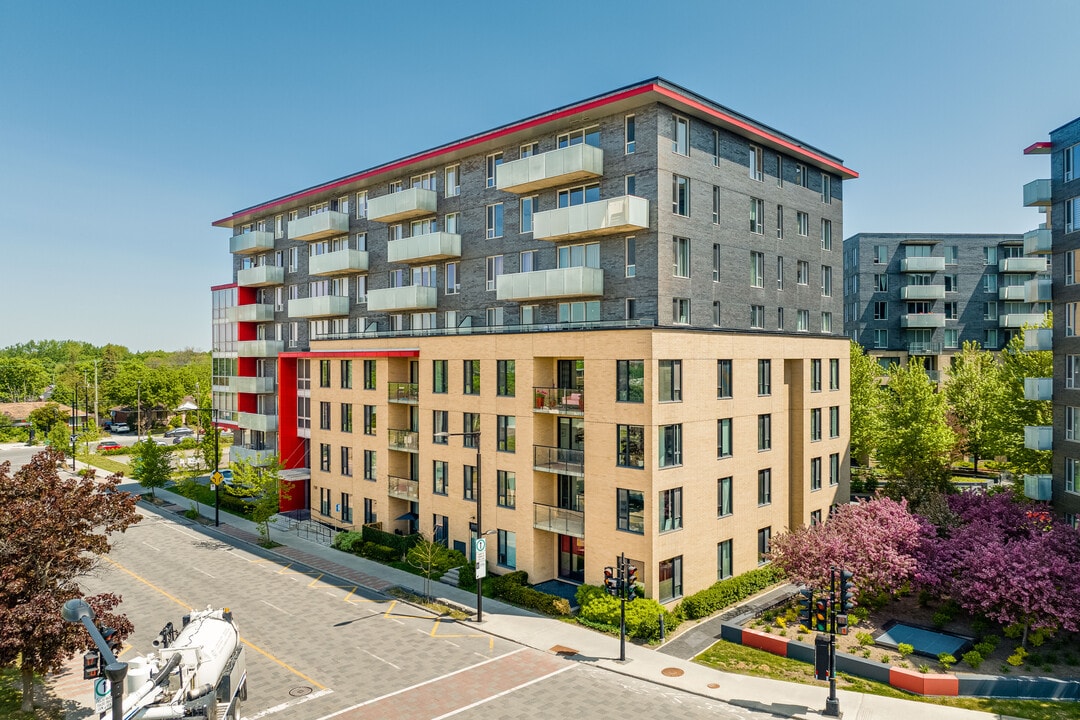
[610,324]
[924,295]
[1058,197]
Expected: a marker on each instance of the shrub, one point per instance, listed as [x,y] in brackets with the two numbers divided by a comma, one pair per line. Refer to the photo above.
[991,640]
[382,553]
[598,609]
[349,541]
[727,592]
[884,658]
[941,618]
[924,668]
[1014,631]
[1017,658]
[859,614]
[866,653]
[402,543]
[974,658]
[905,649]
[984,649]
[946,660]
[864,638]
[532,599]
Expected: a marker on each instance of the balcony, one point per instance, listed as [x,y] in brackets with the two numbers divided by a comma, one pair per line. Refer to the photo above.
[1038,339]
[410,297]
[260,348]
[564,166]
[558,401]
[559,520]
[1039,487]
[546,284]
[252,456]
[924,348]
[1022,265]
[1038,242]
[404,440]
[318,307]
[618,215]
[257,421]
[922,320]
[261,276]
[1039,437]
[1011,292]
[1038,388]
[1038,290]
[255,312]
[561,461]
[251,242]
[319,226]
[922,292]
[922,264]
[339,262]
[427,247]
[1037,193]
[404,488]
[404,205]
[254,385]
[1019,320]
[405,393]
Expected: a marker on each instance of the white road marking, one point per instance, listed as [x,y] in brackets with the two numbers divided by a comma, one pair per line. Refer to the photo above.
[202,571]
[378,658]
[275,607]
[504,692]
[291,703]
[151,546]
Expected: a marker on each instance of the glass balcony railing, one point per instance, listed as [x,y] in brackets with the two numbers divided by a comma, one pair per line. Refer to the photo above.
[618,215]
[554,283]
[404,440]
[559,520]
[404,488]
[559,401]
[319,226]
[577,163]
[399,392]
[251,242]
[561,461]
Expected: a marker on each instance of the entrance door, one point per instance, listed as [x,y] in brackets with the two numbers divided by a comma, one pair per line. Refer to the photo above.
[572,558]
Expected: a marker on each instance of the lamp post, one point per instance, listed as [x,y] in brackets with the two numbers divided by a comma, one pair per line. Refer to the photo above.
[77,610]
[480,558]
[217,461]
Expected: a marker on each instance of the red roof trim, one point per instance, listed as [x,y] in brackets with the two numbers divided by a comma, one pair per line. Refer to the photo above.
[1039,148]
[350,354]
[226,286]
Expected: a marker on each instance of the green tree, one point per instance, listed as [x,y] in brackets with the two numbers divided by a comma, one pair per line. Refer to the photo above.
[151,465]
[22,379]
[1015,412]
[974,393]
[432,559]
[44,417]
[59,438]
[916,441]
[867,398]
[261,484]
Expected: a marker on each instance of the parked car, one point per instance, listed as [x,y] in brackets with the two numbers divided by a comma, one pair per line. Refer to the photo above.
[161,441]
[180,432]
[119,428]
[108,445]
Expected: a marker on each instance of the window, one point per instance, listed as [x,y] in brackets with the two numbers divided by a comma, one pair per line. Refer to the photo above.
[630,381]
[324,501]
[1070,267]
[834,421]
[1072,423]
[670,445]
[452,180]
[494,316]
[346,374]
[670,506]
[764,487]
[716,148]
[1072,371]
[723,438]
[469,482]
[507,549]
[724,497]
[494,270]
[670,579]
[680,141]
[764,377]
[757,163]
[346,417]
[579,311]
[951,283]
[1070,474]
[990,311]
[834,373]
[826,188]
[507,489]
[757,316]
[764,540]
[589,136]
[779,222]
[493,162]
[951,338]
[631,257]
[680,195]
[369,465]
[802,272]
[680,311]
[764,432]
[716,262]
[990,255]
[826,322]
[578,195]
[630,510]
[881,338]
[505,378]
[324,373]
[470,429]
[815,474]
[1070,319]
[361,204]
[1068,162]
[369,374]
[453,284]
[680,257]
[815,424]
[530,149]
[370,420]
[324,416]
[528,206]
[757,216]
[346,461]
[716,204]
[630,446]
[471,370]
[990,283]
[1072,214]
[881,282]
[495,221]
[804,223]
[629,134]
[440,426]
[630,312]
[723,560]
[324,457]
[630,185]
[757,269]
[670,380]
[723,378]
[826,234]
[506,433]
[439,474]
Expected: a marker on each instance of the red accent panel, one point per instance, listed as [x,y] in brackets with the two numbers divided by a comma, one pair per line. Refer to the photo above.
[297,495]
[247,403]
[245,366]
[351,354]
[290,444]
[1039,148]
[246,295]
[923,684]
[246,331]
[226,286]
[764,641]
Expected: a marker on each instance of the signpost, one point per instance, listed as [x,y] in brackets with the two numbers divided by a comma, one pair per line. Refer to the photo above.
[480,552]
[101,695]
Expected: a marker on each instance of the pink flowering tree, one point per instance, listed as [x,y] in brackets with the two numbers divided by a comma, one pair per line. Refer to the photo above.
[875,539]
[1009,561]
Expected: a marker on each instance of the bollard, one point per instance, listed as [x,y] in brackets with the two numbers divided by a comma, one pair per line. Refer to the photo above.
[661,627]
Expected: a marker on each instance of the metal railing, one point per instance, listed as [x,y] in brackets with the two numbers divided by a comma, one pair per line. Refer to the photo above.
[562,461]
[563,401]
[559,520]
[403,488]
[406,440]
[497,329]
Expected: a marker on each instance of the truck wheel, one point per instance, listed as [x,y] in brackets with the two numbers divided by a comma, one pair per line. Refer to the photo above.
[242,694]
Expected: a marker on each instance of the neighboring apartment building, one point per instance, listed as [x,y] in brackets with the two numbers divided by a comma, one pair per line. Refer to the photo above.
[1059,198]
[612,324]
[924,295]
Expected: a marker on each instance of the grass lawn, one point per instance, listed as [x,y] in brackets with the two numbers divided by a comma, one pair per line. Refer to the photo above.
[11,697]
[104,463]
[734,658]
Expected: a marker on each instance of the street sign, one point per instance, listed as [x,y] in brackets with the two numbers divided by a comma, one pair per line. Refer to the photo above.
[480,551]
[217,477]
[102,701]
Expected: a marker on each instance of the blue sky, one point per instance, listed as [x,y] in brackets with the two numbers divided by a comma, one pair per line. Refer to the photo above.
[126,128]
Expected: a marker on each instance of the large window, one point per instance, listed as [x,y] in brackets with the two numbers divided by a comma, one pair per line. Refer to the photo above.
[670,507]
[505,378]
[764,377]
[630,380]
[670,579]
[764,432]
[346,417]
[471,377]
[630,447]
[440,472]
[670,379]
[723,378]
[764,486]
[723,560]
[681,257]
[724,505]
[723,438]
[506,433]
[757,216]
[507,549]
[439,382]
[757,269]
[630,510]
[670,445]
[495,221]
[507,489]
[680,140]
[680,195]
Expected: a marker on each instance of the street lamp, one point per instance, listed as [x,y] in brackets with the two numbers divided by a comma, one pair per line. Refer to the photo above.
[77,610]
[217,462]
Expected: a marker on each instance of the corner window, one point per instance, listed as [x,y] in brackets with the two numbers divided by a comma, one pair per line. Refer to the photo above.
[630,510]
[670,380]
[630,381]
[670,507]
[670,579]
[670,445]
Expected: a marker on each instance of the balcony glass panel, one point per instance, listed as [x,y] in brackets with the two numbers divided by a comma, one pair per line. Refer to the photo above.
[922,264]
[259,348]
[257,421]
[339,262]
[564,166]
[561,461]
[255,385]
[922,292]
[399,392]
[1038,339]
[1039,437]
[1038,290]
[404,488]
[404,440]
[922,320]
[1038,242]
[430,246]
[1022,265]
[404,205]
[322,306]
[1037,193]
[1019,320]
[411,297]
[1039,487]
[1038,388]
[623,214]
[556,283]
[559,401]
[251,242]
[559,520]
[319,226]
[256,312]
[261,276]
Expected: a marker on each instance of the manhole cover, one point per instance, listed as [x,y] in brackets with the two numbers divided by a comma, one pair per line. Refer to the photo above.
[713,686]
[300,691]
[671,672]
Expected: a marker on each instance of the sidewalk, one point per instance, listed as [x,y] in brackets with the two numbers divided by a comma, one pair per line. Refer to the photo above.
[550,635]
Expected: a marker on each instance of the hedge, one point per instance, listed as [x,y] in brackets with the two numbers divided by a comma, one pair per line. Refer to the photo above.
[401,543]
[513,588]
[601,611]
[354,543]
[728,592]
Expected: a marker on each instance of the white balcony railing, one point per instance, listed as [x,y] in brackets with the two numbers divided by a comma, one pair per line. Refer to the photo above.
[1039,487]
[259,348]
[922,292]
[255,312]
[339,262]
[1038,339]
[261,276]
[319,226]
[1022,265]
[548,284]
[1038,388]
[403,205]
[922,320]
[251,242]
[1039,437]
[623,214]
[318,307]
[564,166]
[424,248]
[922,264]
[410,297]
[1037,193]
[1038,290]
[1038,242]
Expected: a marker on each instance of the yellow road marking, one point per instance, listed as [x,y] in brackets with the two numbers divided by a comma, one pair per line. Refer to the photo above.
[189,606]
[435,629]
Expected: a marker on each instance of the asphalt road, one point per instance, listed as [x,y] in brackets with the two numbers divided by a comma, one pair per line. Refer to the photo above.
[320,648]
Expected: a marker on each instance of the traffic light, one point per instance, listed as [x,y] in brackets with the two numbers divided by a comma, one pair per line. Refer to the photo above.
[611,583]
[821,615]
[631,581]
[841,624]
[821,658]
[91,665]
[112,639]
[847,591]
[806,607]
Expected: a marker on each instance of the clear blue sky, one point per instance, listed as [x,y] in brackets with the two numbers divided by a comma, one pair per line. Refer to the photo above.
[127,127]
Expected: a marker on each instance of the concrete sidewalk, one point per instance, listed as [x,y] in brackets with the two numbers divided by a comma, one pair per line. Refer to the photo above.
[550,635]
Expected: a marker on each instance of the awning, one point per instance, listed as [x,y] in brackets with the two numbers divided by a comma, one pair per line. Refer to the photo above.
[411,516]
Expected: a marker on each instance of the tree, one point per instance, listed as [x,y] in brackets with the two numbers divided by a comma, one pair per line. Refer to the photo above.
[59,438]
[432,559]
[45,417]
[52,531]
[21,379]
[866,405]
[916,441]
[974,392]
[262,486]
[875,539]
[1015,412]
[152,465]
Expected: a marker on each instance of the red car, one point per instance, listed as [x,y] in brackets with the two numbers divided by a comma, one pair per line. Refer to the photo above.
[108,445]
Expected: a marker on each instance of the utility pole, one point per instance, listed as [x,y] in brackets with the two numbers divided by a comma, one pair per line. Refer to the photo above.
[97,413]
[138,411]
